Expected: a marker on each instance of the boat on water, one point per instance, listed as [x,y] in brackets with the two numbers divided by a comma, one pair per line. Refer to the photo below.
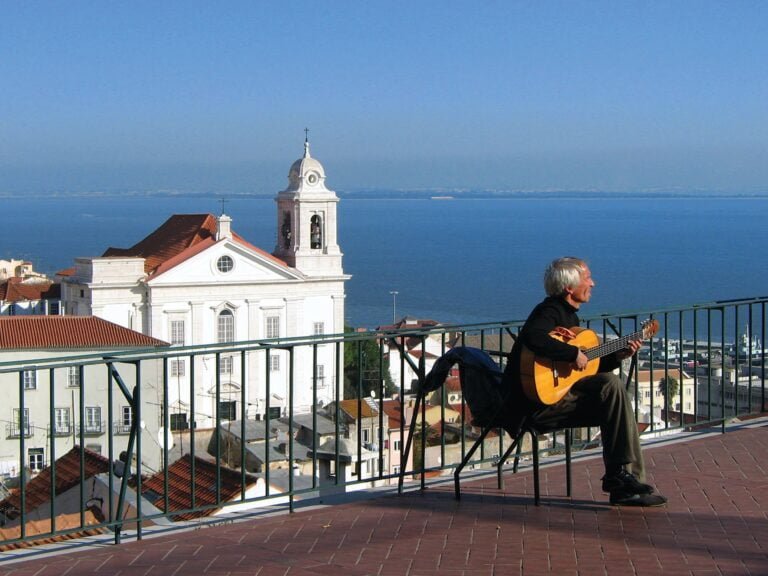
[750,344]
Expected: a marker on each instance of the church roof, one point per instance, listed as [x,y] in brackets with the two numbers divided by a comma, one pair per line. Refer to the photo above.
[178,239]
[179,232]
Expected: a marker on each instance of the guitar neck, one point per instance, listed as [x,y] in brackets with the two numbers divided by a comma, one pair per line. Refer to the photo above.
[611,346]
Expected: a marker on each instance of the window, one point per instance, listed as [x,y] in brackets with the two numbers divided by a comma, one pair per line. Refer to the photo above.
[19,424]
[320,375]
[274,363]
[61,423]
[93,420]
[315,232]
[366,436]
[126,419]
[73,376]
[225,364]
[319,328]
[273,327]
[36,459]
[177,332]
[54,308]
[179,421]
[228,410]
[225,327]
[30,379]
[178,367]
[225,264]
[94,448]
[397,445]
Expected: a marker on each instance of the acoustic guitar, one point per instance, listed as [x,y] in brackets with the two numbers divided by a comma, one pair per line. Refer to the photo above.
[546,382]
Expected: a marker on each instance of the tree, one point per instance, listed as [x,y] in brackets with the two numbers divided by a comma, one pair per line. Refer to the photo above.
[365,368]
[669,387]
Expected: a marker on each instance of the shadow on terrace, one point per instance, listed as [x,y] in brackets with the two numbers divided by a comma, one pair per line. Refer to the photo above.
[122,442]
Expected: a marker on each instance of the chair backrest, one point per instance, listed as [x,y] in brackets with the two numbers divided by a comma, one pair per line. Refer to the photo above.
[481,382]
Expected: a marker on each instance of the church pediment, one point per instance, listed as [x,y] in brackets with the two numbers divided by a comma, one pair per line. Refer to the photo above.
[227,261]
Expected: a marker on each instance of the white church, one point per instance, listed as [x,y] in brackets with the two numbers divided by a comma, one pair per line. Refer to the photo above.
[195,281]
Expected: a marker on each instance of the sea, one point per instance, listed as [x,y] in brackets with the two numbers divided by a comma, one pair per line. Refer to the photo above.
[454,260]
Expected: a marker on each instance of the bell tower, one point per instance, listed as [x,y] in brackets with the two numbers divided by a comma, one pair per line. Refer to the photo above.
[306,220]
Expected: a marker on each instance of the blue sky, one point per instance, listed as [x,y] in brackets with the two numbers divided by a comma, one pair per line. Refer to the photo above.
[417,94]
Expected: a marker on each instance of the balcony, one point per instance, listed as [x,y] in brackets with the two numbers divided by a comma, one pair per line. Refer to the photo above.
[60,430]
[91,428]
[15,431]
[720,385]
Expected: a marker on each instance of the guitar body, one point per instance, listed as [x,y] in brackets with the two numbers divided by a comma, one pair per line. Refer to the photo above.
[546,382]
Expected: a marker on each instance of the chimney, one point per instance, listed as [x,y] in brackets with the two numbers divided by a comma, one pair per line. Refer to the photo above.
[224,227]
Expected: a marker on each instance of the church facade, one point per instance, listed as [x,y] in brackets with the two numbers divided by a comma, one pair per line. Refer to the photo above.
[195,281]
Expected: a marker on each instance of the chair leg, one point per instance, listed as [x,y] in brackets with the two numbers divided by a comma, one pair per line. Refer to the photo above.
[457,472]
[568,477]
[516,444]
[517,457]
[535,450]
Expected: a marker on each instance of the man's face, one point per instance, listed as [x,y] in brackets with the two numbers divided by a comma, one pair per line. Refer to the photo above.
[582,292]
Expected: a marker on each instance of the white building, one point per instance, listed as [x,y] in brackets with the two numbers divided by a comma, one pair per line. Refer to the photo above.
[195,281]
[77,407]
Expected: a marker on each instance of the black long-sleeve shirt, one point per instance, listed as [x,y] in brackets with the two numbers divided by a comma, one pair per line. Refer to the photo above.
[551,313]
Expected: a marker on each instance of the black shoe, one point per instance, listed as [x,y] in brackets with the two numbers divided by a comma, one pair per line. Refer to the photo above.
[625,482]
[642,500]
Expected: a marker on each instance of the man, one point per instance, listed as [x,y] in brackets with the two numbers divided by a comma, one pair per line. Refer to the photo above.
[598,400]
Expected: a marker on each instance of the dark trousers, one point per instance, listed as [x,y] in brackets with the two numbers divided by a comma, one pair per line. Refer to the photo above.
[600,400]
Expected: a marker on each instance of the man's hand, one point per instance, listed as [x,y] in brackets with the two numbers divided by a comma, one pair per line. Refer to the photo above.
[632,347]
[581,361]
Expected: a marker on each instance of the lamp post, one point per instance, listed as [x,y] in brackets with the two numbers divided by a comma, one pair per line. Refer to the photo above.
[394,305]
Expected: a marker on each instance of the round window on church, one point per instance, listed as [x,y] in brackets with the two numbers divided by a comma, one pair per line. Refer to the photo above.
[225,264]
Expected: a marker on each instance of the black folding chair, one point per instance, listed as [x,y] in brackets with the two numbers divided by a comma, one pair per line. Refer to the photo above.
[481,385]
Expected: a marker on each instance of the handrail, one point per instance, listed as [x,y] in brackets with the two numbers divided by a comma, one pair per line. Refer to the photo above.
[279,451]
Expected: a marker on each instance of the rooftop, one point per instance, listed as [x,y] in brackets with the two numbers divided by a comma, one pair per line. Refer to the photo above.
[716,523]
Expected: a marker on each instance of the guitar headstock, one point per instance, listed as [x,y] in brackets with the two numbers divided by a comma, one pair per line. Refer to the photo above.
[649,328]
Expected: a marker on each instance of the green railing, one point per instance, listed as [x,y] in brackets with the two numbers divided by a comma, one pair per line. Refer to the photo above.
[152,440]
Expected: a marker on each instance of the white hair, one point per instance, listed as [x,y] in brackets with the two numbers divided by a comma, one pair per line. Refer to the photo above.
[562,274]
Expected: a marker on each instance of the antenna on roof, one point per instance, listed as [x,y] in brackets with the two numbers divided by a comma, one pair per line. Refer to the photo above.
[223,201]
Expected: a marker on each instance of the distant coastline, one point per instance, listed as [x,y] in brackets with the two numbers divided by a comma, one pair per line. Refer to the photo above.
[402,194]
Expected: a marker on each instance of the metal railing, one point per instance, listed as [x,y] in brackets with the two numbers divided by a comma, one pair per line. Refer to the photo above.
[323,420]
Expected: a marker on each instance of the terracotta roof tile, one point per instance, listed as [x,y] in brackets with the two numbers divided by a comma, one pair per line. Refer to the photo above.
[177,239]
[38,490]
[68,332]
[16,290]
[393,412]
[175,235]
[350,407]
[63,522]
[180,482]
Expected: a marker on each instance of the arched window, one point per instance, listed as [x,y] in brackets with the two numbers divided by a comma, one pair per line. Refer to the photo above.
[285,230]
[315,232]
[225,327]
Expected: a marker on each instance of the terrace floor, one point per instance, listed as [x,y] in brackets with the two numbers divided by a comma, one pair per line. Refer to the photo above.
[716,523]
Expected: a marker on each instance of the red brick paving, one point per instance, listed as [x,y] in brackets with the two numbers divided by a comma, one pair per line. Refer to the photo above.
[716,524]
